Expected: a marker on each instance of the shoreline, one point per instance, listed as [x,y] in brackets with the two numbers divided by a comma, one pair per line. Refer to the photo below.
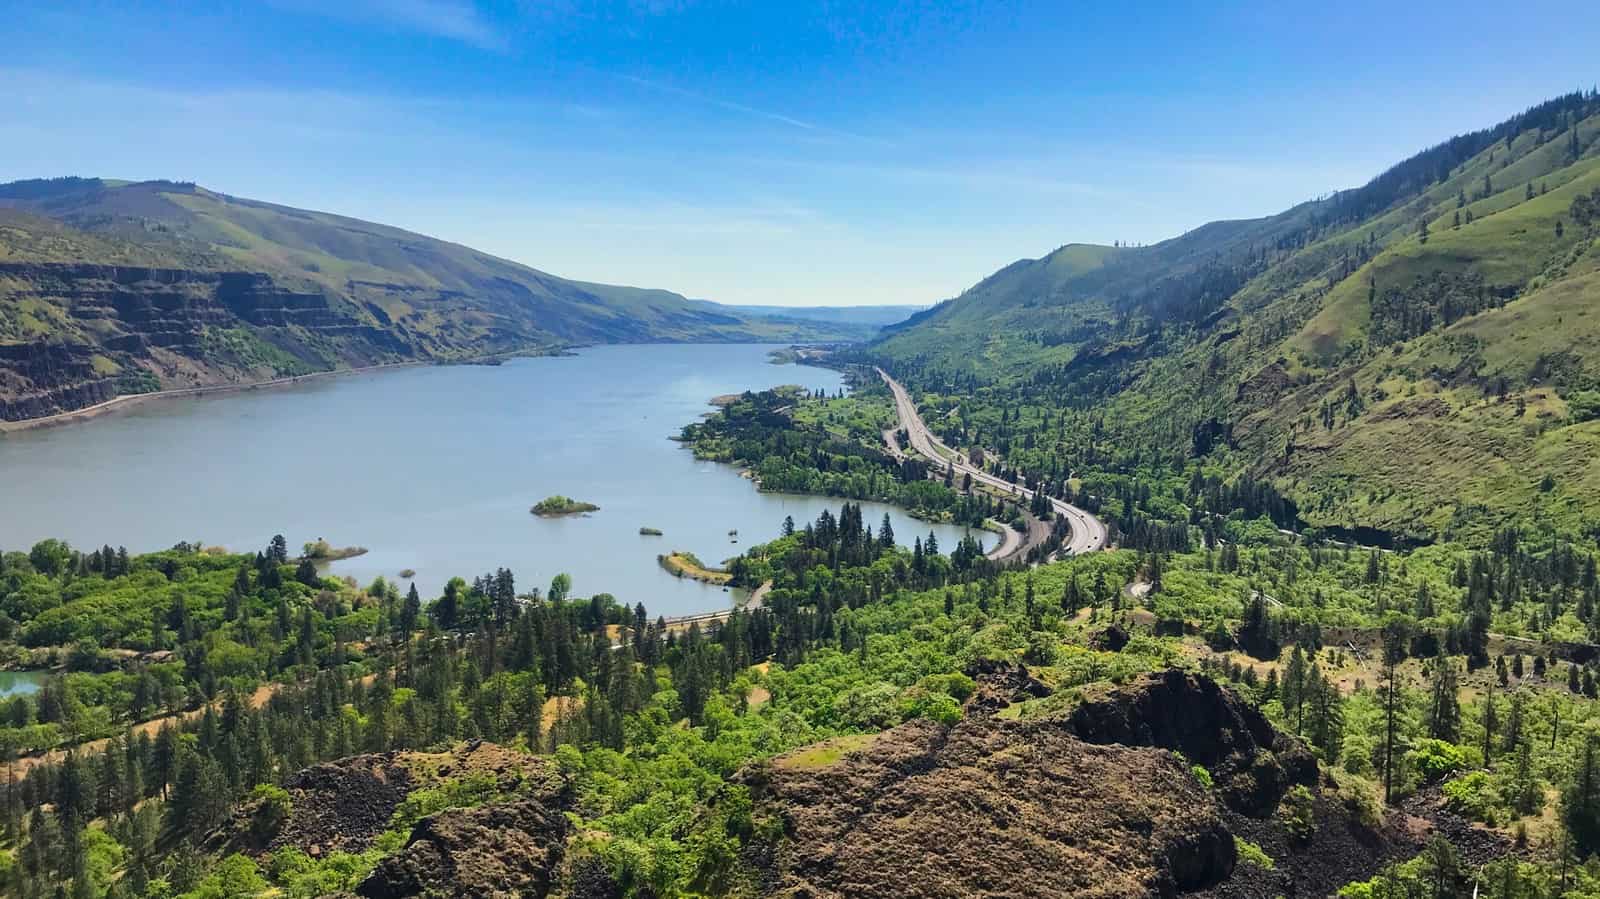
[131,400]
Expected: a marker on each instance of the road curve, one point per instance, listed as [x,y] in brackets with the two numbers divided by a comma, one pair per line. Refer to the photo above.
[1088,533]
[1009,543]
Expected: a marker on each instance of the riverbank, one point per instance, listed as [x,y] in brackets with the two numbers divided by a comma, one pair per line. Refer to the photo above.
[131,400]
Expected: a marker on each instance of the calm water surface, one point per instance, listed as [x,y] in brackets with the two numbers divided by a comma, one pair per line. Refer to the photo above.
[432,469]
[18,683]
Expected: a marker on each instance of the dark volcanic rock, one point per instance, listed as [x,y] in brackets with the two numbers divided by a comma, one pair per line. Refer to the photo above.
[1252,763]
[346,804]
[1112,639]
[511,849]
[991,808]
[1340,850]
[999,684]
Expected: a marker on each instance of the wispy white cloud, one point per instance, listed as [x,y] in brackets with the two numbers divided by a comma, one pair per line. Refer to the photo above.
[456,20]
[732,106]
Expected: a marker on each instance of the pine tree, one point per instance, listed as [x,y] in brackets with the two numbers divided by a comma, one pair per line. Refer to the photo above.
[1580,802]
[1293,687]
[411,611]
[1393,653]
[1325,724]
[1490,722]
[1444,709]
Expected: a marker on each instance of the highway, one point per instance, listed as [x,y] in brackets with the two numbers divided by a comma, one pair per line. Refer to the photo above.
[1088,532]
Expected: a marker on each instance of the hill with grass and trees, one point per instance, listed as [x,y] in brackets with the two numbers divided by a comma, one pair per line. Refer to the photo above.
[110,288]
[1410,359]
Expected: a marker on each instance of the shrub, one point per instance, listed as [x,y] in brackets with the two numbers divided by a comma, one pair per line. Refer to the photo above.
[272,808]
[1299,813]
[1251,854]
[1584,405]
[1472,795]
[1436,759]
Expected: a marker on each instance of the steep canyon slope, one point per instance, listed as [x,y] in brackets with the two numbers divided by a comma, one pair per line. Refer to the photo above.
[1414,356]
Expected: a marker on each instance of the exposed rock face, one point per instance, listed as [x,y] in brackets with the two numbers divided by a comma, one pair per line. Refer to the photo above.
[999,684]
[122,313]
[512,849]
[343,806]
[992,808]
[1252,763]
[37,379]
[1112,639]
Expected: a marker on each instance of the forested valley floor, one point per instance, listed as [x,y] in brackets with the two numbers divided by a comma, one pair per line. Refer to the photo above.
[218,724]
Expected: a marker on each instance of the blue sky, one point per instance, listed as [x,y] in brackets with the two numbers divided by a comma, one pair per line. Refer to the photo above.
[778,152]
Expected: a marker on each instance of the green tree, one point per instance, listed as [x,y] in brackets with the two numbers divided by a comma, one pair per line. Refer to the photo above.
[1444,707]
[1580,802]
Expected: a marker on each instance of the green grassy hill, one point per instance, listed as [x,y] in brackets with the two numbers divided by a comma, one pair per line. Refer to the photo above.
[1415,356]
[109,286]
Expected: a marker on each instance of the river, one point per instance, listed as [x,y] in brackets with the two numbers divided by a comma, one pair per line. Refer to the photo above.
[433,469]
[20,683]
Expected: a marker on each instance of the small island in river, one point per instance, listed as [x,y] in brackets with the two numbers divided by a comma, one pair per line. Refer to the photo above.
[320,550]
[686,564]
[562,505]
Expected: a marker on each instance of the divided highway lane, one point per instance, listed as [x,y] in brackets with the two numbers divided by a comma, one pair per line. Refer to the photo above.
[1088,532]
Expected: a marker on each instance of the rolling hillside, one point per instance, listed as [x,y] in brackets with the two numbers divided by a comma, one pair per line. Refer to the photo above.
[111,287]
[1415,356]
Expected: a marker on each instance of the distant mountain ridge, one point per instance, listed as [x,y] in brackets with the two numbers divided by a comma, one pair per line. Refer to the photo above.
[871,318]
[1403,356]
[110,287]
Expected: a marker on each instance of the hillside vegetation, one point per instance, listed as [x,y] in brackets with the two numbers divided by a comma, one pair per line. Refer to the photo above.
[111,287]
[1410,358]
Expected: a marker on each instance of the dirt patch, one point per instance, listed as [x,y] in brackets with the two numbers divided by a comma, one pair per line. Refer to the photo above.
[558,708]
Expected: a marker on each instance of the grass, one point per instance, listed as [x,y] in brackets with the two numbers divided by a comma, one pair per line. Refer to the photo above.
[1426,454]
[826,753]
[1507,243]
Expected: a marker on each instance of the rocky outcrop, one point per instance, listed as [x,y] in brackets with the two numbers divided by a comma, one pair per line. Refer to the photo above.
[1253,764]
[508,849]
[343,806]
[999,684]
[1099,800]
[991,808]
[39,379]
